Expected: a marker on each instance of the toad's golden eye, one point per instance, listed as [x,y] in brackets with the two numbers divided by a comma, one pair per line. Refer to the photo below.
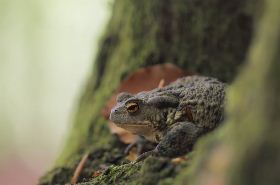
[132,107]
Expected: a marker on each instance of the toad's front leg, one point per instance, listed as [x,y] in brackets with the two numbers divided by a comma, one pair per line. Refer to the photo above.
[179,140]
[141,144]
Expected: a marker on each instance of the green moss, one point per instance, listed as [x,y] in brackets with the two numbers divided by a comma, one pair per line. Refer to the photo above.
[150,172]
[155,170]
[59,175]
[122,174]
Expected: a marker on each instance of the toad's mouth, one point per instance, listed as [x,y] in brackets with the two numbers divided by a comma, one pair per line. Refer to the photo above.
[132,124]
[136,128]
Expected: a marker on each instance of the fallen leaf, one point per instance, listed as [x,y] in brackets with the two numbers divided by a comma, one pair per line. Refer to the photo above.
[97,173]
[161,83]
[132,155]
[178,160]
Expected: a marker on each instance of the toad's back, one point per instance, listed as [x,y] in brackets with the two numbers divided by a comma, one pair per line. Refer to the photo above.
[202,96]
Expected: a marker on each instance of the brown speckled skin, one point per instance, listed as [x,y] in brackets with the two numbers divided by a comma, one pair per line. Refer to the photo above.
[173,116]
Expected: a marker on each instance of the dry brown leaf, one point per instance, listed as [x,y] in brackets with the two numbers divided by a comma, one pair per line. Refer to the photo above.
[179,160]
[144,79]
[132,155]
[97,173]
[161,83]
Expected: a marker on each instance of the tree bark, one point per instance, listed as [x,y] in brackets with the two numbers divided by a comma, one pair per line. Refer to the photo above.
[210,38]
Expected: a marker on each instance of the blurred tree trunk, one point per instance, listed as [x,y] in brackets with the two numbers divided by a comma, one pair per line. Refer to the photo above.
[208,37]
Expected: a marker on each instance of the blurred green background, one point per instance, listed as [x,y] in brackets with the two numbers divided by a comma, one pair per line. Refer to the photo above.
[46,54]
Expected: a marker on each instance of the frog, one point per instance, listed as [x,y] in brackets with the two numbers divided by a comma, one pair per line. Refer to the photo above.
[172,117]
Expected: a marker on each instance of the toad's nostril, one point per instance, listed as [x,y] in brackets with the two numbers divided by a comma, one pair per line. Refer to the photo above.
[114,111]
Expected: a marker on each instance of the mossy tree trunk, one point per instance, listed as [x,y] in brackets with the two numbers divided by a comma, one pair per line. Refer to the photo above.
[246,150]
[208,37]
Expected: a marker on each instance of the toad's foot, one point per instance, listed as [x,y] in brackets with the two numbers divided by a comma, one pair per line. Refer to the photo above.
[141,144]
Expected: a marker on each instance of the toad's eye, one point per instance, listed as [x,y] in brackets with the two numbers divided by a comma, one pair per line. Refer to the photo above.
[132,107]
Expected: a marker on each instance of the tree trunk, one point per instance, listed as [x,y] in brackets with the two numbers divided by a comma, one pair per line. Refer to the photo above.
[207,37]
